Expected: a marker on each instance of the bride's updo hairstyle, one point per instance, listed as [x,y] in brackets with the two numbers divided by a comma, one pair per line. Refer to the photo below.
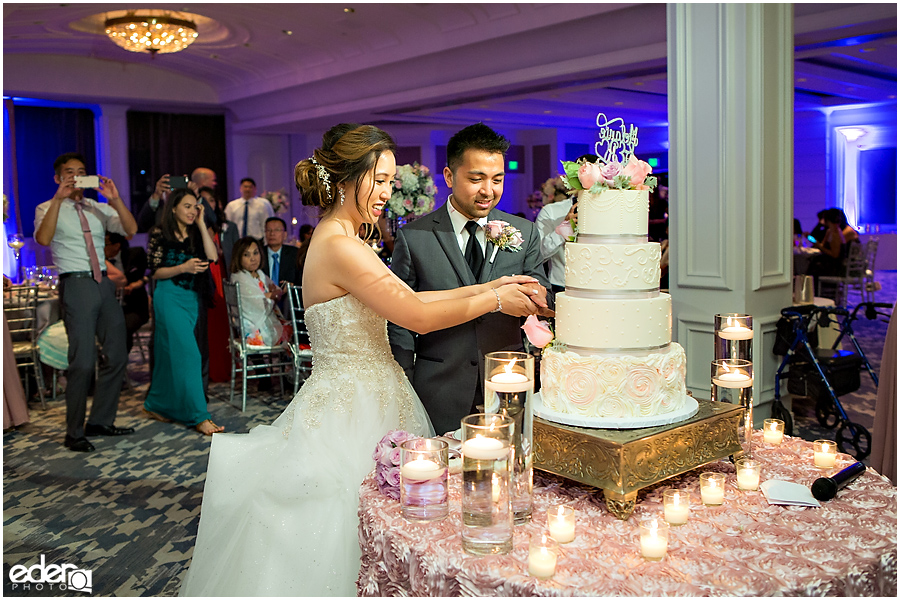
[348,152]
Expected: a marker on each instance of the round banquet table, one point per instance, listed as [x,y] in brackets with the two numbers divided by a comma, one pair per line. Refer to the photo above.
[746,547]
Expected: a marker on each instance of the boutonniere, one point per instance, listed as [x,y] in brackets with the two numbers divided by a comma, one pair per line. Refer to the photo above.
[503,236]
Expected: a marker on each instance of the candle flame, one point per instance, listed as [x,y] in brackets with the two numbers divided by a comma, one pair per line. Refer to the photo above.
[509,366]
[730,322]
[560,510]
[676,498]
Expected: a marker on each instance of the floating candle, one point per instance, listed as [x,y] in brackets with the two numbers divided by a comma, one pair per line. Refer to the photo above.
[485,448]
[733,379]
[421,470]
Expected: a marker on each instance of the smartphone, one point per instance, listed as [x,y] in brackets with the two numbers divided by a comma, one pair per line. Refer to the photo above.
[178,182]
[87,181]
[812,239]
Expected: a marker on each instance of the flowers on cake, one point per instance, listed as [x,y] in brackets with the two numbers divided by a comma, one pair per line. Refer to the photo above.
[278,200]
[504,236]
[414,191]
[538,332]
[598,176]
[387,462]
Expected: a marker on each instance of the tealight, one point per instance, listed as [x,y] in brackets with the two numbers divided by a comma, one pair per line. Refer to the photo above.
[748,474]
[654,539]
[561,523]
[676,507]
[712,488]
[825,453]
[542,555]
[773,431]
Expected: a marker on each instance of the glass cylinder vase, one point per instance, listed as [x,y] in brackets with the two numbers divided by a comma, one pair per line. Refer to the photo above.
[423,479]
[734,336]
[732,382]
[508,388]
[487,517]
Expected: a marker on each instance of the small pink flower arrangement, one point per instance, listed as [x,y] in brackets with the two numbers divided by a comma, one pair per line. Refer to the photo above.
[504,236]
[598,176]
[387,462]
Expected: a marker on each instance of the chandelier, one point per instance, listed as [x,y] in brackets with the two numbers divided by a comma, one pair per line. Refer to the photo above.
[153,34]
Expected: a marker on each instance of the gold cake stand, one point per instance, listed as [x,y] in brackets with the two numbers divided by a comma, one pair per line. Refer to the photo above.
[623,461]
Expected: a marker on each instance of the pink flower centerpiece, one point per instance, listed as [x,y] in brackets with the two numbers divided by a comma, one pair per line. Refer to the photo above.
[387,462]
[598,176]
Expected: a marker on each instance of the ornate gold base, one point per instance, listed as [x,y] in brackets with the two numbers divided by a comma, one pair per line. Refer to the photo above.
[623,461]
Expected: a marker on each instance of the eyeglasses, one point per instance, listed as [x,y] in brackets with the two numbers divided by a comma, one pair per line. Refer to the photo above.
[275,230]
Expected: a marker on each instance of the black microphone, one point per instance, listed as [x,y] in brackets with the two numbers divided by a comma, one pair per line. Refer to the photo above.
[826,488]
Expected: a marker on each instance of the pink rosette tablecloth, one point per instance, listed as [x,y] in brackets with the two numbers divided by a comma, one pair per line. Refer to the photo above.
[746,547]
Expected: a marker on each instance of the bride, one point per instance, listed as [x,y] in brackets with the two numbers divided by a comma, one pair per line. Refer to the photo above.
[279,513]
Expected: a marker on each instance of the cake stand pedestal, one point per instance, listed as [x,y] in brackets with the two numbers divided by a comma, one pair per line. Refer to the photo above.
[623,461]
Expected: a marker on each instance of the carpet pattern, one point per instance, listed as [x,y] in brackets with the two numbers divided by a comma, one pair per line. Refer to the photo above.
[129,511]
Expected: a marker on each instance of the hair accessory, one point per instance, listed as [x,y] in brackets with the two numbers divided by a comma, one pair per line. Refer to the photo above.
[341,195]
[323,175]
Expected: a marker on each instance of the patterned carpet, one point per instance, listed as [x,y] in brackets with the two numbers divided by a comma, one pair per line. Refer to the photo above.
[129,511]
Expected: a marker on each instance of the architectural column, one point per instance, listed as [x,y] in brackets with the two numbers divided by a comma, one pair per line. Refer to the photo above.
[730,78]
[112,147]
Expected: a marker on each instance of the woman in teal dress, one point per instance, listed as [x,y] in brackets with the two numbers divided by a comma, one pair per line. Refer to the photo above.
[180,251]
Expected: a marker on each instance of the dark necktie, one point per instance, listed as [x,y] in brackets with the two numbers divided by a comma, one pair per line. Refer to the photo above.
[246,217]
[89,242]
[474,253]
[275,268]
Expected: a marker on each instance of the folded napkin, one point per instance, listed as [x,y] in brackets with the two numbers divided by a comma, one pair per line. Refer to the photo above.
[785,492]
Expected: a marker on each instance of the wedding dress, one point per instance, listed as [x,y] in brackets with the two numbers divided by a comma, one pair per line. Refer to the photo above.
[279,513]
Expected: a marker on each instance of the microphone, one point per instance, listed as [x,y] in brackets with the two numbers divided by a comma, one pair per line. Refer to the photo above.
[826,488]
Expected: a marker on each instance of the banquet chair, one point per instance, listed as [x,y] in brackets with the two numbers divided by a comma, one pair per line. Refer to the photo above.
[853,277]
[871,286]
[277,358]
[301,348]
[20,308]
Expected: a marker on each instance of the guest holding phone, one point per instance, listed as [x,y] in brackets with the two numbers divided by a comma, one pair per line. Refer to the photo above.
[263,322]
[180,251]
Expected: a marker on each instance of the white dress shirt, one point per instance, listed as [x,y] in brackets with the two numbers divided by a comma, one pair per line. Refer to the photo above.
[459,221]
[260,210]
[553,244]
[69,249]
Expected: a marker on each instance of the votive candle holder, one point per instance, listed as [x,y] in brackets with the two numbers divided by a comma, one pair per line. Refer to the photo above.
[676,507]
[654,539]
[712,488]
[824,453]
[543,553]
[748,474]
[773,431]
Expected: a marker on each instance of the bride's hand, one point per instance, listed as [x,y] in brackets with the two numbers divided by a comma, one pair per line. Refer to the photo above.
[516,300]
[507,279]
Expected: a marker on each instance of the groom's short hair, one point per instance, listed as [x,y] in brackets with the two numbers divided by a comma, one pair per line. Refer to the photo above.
[474,137]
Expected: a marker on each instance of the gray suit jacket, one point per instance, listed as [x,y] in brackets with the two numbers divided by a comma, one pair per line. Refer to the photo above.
[446,367]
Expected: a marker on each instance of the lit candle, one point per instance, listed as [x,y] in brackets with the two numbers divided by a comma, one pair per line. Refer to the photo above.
[825,453]
[748,479]
[676,507]
[485,448]
[421,469]
[733,379]
[561,523]
[654,539]
[542,557]
[773,431]
[712,488]
[736,332]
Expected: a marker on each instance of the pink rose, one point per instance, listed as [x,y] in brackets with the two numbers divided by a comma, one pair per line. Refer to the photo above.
[398,436]
[609,171]
[395,456]
[516,240]
[636,170]
[392,477]
[565,229]
[398,184]
[538,332]
[493,229]
[588,174]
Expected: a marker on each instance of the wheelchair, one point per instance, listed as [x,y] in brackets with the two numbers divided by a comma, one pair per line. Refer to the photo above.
[824,373]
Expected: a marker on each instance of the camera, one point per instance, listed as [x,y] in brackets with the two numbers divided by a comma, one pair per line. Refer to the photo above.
[87,181]
[178,182]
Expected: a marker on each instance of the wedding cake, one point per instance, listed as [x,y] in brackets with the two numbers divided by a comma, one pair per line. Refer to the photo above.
[613,362]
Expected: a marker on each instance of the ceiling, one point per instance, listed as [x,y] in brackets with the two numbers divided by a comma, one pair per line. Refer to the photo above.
[277,68]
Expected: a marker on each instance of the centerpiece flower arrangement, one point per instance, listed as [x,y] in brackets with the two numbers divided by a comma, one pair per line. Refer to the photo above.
[598,176]
[414,191]
[554,190]
[387,462]
[278,200]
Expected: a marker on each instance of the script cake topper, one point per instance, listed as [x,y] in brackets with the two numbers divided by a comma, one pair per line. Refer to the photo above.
[620,144]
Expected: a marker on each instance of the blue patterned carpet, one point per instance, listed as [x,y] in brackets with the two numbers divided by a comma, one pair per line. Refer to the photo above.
[129,511]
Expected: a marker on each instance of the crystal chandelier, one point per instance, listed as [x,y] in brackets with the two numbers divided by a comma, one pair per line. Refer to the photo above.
[153,34]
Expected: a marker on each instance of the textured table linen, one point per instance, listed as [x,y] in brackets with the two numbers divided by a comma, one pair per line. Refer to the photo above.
[746,547]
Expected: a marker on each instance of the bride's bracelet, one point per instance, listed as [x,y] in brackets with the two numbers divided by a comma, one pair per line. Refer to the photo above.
[499,306]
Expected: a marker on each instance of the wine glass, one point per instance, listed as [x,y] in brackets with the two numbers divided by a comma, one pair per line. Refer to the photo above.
[16,242]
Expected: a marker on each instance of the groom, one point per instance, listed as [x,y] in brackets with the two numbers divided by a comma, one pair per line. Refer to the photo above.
[448,249]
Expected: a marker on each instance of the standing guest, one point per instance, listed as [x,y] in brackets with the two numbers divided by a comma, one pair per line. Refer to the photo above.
[74,227]
[447,249]
[152,212]
[306,231]
[180,252]
[553,244]
[249,212]
[224,234]
[279,260]
[259,295]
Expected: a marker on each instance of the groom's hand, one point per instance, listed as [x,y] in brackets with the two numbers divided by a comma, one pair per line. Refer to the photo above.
[516,300]
[540,295]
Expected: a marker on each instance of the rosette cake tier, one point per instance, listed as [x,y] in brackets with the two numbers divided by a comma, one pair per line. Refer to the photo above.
[616,365]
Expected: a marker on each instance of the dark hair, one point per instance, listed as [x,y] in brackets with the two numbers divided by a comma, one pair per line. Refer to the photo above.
[348,152]
[304,229]
[237,252]
[798,229]
[279,219]
[834,215]
[250,179]
[169,224]
[218,209]
[116,238]
[64,158]
[474,137]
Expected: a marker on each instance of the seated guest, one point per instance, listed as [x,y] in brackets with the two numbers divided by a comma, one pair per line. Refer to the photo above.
[830,261]
[180,252]
[279,261]
[135,303]
[849,233]
[262,320]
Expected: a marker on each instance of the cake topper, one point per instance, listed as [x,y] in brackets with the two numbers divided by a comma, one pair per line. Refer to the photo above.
[620,144]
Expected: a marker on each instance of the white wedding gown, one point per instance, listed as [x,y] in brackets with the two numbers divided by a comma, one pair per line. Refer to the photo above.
[279,513]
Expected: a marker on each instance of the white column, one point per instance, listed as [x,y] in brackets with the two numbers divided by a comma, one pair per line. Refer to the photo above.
[112,147]
[730,78]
